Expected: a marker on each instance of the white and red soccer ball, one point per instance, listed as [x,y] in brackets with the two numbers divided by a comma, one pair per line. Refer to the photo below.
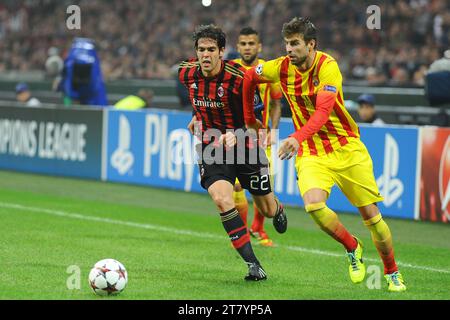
[108,277]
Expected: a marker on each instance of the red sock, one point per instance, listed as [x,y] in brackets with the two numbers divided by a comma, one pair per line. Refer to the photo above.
[388,260]
[238,234]
[243,212]
[382,238]
[346,238]
[258,220]
[240,201]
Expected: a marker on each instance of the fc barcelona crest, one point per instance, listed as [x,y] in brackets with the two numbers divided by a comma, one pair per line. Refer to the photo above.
[315,81]
[256,99]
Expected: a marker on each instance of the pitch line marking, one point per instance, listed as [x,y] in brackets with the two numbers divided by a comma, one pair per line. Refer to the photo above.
[78,216]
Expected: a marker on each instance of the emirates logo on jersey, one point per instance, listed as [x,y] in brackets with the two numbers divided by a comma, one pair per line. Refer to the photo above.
[207,103]
[220,91]
[444,179]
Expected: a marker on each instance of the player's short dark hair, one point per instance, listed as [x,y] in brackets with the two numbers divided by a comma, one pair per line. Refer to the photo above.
[210,31]
[301,26]
[247,31]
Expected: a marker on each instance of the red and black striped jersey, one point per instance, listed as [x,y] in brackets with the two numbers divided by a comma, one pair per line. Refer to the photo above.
[217,101]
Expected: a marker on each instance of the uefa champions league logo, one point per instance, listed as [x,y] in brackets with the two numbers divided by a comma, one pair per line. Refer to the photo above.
[259,69]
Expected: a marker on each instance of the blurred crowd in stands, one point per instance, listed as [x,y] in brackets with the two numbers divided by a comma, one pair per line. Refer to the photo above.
[144,39]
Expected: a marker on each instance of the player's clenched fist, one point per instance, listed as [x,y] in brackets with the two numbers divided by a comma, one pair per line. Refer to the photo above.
[228,139]
[288,148]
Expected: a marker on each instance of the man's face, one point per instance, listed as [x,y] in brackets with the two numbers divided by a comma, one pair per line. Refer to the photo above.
[297,49]
[23,96]
[248,47]
[366,111]
[209,55]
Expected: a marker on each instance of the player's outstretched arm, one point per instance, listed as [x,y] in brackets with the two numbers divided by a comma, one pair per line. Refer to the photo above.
[325,102]
[251,79]
[324,105]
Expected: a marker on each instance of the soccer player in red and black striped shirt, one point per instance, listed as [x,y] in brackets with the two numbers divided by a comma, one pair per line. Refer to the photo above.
[215,92]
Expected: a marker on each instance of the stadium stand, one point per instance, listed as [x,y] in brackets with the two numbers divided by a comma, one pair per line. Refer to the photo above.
[150,36]
[140,44]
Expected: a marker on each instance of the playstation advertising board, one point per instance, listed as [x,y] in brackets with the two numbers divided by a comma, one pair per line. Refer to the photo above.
[155,148]
[52,141]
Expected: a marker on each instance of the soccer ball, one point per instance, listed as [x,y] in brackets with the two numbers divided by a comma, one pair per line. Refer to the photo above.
[108,277]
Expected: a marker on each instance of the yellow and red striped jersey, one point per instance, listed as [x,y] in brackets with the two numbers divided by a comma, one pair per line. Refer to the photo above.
[267,91]
[300,89]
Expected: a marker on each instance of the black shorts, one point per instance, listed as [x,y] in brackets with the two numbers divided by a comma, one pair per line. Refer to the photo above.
[251,168]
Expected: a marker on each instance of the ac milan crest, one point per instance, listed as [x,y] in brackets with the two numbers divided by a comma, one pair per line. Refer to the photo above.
[220,91]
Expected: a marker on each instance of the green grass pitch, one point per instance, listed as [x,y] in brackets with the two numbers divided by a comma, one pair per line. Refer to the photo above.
[174,247]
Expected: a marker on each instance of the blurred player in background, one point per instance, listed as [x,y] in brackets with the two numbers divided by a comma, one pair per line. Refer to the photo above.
[141,100]
[326,143]
[215,92]
[23,95]
[366,110]
[267,107]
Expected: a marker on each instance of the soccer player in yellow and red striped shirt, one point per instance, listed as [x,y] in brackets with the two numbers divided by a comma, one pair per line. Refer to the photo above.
[327,144]
[267,106]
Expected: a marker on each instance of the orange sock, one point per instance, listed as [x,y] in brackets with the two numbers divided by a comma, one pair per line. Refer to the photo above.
[258,220]
[329,222]
[381,237]
[241,203]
